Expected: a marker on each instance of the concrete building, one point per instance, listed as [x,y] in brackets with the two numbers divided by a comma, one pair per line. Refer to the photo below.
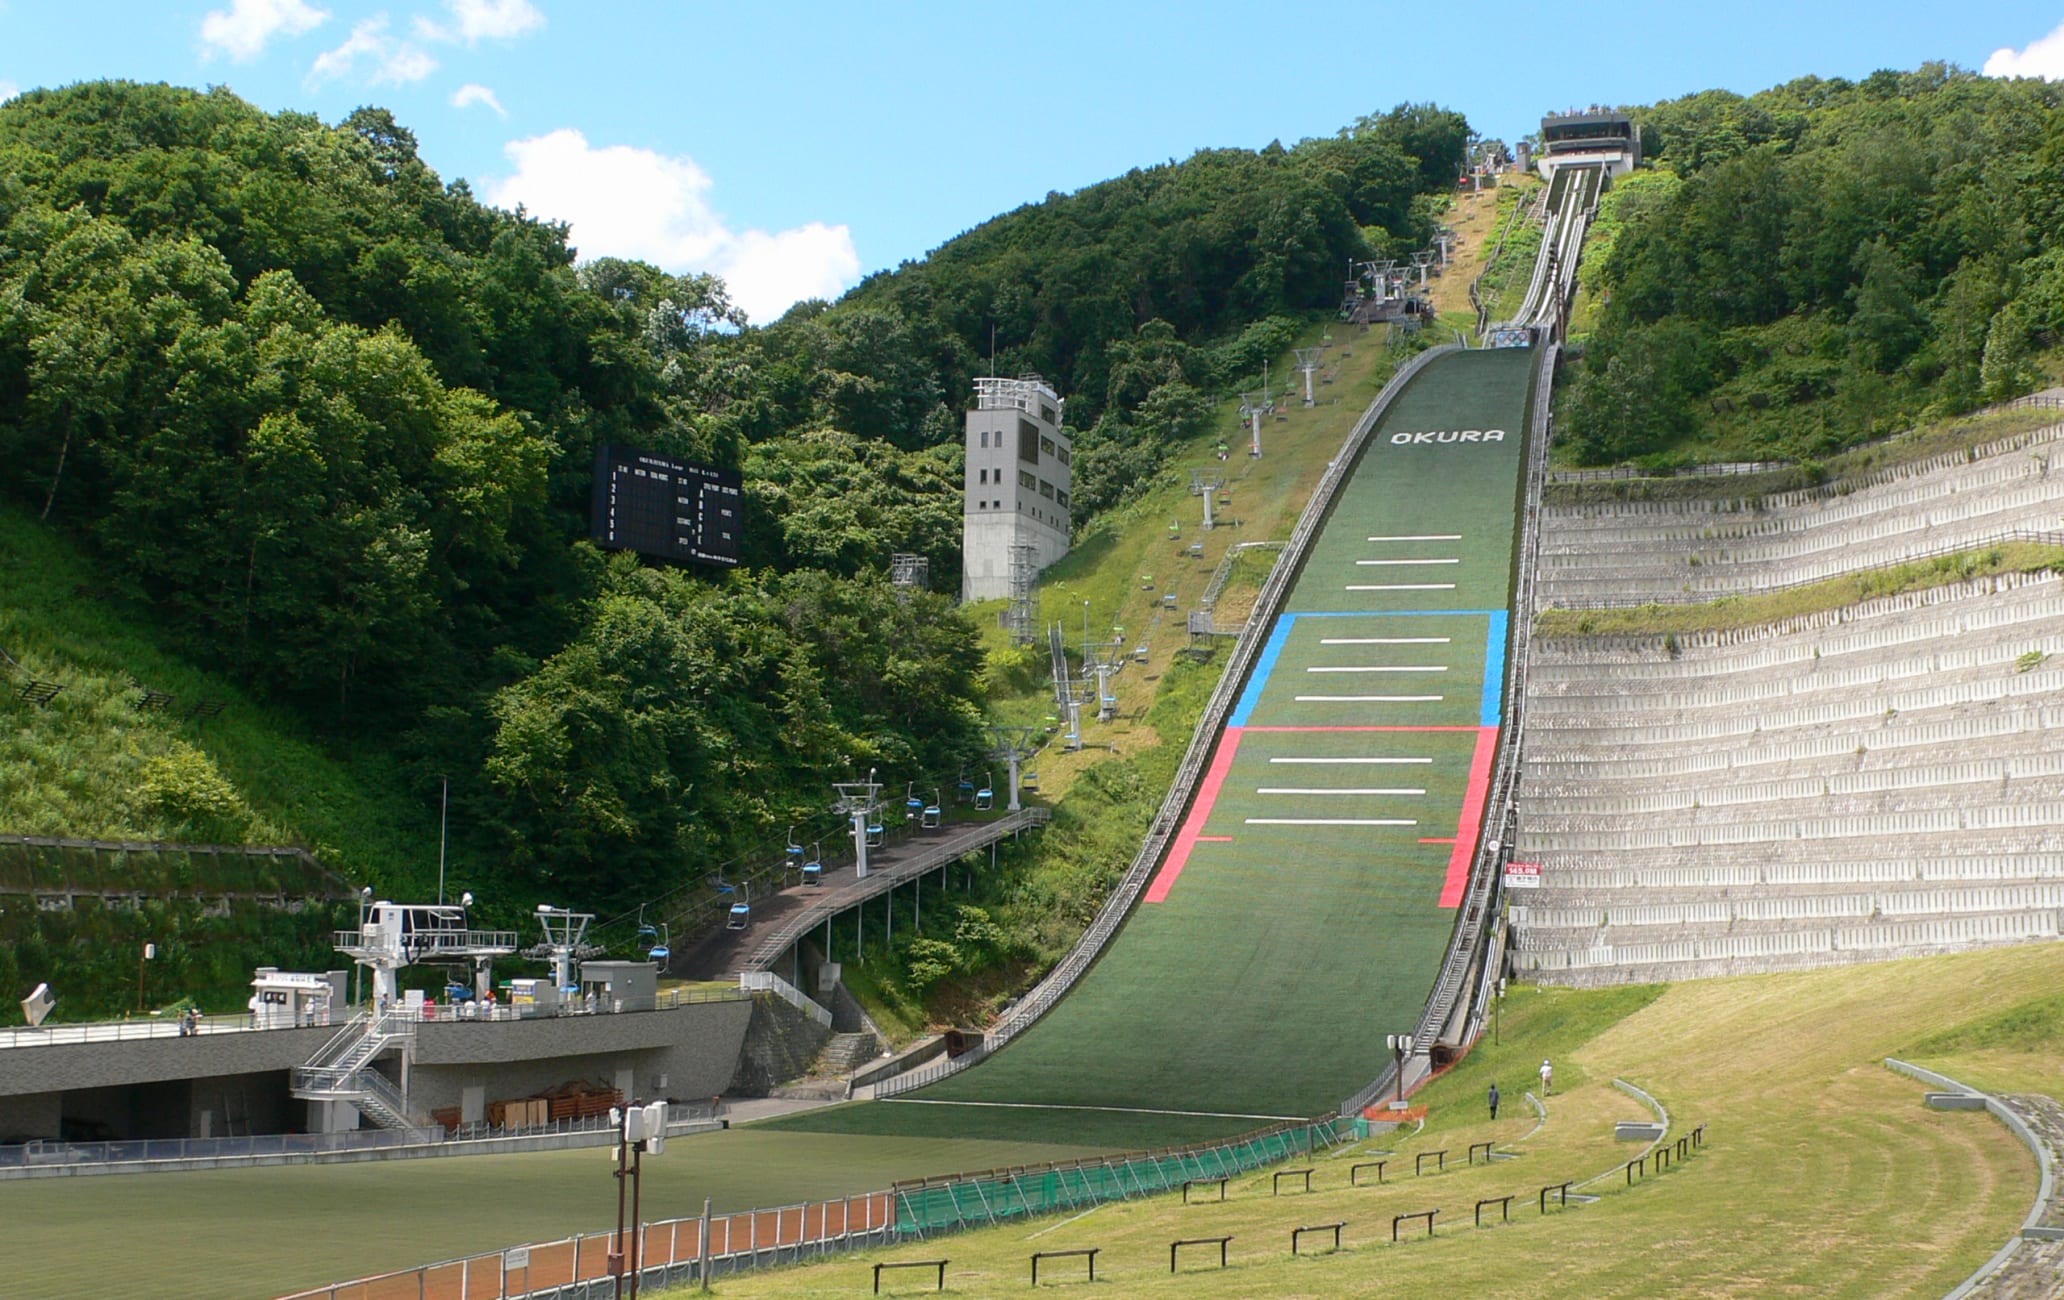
[1020,479]
[1592,137]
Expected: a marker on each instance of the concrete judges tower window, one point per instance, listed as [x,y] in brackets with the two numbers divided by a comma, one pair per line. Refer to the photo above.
[1016,446]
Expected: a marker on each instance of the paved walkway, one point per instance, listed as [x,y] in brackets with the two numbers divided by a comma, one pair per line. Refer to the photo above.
[2036,1270]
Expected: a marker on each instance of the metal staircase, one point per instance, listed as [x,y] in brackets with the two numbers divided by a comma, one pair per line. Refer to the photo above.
[342,1070]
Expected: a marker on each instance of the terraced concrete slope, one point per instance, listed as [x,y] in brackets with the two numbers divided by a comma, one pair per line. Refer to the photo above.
[1303,908]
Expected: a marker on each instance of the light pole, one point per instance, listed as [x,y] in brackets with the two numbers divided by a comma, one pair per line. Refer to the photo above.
[1400,1048]
[443,818]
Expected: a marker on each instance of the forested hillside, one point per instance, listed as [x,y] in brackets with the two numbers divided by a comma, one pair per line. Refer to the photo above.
[1825,262]
[326,421]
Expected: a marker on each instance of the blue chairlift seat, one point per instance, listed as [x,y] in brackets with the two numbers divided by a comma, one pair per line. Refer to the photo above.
[1029,781]
[931,817]
[985,798]
[659,953]
[813,873]
[874,835]
[740,918]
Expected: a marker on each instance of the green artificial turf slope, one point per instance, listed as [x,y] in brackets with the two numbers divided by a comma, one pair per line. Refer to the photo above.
[1264,983]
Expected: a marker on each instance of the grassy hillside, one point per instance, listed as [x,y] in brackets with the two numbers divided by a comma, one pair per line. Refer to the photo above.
[93,764]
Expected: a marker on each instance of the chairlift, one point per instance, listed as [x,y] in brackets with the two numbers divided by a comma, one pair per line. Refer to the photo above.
[652,940]
[985,798]
[813,870]
[1028,781]
[740,918]
[794,851]
[1139,653]
[931,817]
[913,807]
[874,835]
[965,789]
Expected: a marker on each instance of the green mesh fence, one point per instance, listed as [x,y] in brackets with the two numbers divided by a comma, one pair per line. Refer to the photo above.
[975,1200]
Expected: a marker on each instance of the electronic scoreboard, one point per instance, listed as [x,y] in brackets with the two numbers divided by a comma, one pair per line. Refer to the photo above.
[666,508]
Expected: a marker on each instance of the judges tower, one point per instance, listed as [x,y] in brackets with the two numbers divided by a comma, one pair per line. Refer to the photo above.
[1020,476]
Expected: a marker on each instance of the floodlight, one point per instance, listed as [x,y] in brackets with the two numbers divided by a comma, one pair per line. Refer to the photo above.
[37,1005]
[466,899]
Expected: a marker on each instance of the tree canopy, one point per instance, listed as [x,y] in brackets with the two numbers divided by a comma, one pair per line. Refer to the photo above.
[331,420]
[1830,259]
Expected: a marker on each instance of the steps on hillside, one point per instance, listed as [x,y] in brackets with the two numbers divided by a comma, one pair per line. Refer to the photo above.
[845,1053]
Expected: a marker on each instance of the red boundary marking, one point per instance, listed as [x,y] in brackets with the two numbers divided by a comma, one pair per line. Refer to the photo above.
[1471,824]
[1200,812]
[1359,729]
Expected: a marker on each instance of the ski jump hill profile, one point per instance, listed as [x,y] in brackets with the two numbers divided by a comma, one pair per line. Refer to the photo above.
[1319,877]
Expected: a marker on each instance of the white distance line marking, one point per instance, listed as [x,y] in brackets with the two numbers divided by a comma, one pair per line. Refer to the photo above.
[1405,586]
[1383,640]
[1350,760]
[1368,562]
[1421,537]
[1331,821]
[1410,668]
[1287,789]
[1369,699]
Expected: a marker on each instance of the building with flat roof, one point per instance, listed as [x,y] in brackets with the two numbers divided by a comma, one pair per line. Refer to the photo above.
[1601,137]
[1020,479]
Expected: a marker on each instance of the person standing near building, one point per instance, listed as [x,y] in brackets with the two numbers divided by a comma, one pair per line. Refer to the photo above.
[1547,1077]
[1494,1101]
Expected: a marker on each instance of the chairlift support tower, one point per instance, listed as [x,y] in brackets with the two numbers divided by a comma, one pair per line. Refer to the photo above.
[1205,483]
[1307,363]
[858,800]
[1252,407]
[565,942]
[1013,745]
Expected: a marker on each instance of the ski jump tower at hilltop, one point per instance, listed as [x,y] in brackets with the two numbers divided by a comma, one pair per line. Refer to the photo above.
[1020,473]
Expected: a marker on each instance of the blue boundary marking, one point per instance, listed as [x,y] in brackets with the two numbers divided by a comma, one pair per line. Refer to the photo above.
[1494,672]
[1265,663]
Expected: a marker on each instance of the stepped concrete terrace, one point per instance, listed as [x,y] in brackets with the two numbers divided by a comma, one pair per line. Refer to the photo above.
[1877,781]
[1628,553]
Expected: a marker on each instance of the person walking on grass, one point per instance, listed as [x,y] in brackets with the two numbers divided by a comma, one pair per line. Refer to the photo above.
[1547,1077]
[1494,1101]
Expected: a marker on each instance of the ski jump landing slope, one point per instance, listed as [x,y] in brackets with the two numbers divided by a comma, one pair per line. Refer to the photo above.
[1304,904]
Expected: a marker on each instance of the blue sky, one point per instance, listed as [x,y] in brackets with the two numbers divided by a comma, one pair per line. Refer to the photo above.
[793,147]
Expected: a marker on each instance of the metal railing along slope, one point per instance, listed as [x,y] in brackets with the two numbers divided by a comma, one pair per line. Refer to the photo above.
[1202,741]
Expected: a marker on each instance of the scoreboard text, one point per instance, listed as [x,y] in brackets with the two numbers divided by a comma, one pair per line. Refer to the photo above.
[666,508]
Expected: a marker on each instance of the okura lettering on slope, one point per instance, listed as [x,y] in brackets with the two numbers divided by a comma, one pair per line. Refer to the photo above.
[1451,435]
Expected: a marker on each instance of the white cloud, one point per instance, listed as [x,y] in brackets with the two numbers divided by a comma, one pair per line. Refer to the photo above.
[474,93]
[2043,58]
[8,90]
[388,60]
[243,30]
[635,203]
[478,20]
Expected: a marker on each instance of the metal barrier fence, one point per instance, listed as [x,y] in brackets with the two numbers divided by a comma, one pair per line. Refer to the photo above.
[977,1200]
[53,1154]
[673,1251]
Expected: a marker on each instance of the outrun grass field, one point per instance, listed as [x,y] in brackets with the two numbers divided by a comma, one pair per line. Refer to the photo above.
[1823,1174]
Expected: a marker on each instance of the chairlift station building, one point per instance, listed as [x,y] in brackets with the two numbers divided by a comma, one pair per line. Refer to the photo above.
[1020,480]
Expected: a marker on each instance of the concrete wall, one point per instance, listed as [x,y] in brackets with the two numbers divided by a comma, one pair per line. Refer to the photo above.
[62,1068]
[30,1115]
[779,1046]
[695,1048]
